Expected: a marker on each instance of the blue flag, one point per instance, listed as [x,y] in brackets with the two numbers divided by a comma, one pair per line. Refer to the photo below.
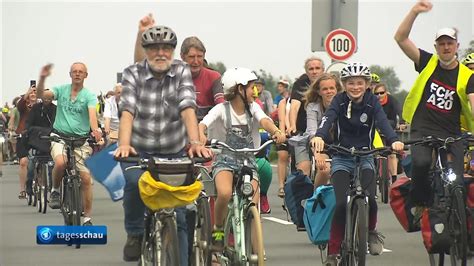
[107,171]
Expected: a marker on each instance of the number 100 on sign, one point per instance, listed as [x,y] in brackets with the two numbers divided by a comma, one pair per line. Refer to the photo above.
[340,44]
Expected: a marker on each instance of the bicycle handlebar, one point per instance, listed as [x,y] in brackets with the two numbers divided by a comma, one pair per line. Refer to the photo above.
[58,138]
[435,140]
[352,151]
[144,161]
[214,143]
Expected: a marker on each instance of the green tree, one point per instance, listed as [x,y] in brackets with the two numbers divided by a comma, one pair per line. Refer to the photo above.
[468,50]
[270,81]
[218,66]
[400,96]
[388,77]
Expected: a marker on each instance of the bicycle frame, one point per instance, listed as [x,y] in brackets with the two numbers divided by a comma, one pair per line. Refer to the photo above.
[355,193]
[449,194]
[155,221]
[239,204]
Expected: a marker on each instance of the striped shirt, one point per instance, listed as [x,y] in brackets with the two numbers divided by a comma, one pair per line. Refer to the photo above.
[156,106]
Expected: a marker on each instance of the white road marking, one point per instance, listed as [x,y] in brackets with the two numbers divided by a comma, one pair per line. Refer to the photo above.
[387,250]
[276,220]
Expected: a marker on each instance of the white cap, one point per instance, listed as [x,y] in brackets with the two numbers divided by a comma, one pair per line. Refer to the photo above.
[450,32]
[284,82]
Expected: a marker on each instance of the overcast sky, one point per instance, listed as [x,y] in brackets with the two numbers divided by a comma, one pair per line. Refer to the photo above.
[270,35]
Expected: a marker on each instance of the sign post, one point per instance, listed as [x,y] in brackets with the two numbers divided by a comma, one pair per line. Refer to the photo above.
[328,15]
[340,44]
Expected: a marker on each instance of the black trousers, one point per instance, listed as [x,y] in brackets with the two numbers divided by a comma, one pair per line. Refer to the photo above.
[422,159]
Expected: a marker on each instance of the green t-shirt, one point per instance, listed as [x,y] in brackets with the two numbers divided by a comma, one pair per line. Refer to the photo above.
[72,117]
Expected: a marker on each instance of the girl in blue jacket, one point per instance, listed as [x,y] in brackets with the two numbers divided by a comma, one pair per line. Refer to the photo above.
[355,114]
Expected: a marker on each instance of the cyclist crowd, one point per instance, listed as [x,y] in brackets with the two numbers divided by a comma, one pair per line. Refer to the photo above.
[169,107]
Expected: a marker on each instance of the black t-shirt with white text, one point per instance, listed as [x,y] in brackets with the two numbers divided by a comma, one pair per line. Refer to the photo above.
[439,110]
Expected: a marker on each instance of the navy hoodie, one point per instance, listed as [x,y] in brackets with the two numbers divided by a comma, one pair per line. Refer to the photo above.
[358,131]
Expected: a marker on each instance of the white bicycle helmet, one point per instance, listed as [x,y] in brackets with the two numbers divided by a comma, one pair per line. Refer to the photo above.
[236,76]
[469,59]
[355,70]
[159,35]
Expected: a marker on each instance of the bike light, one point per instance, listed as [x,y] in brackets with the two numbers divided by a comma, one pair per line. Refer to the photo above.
[451,175]
[247,189]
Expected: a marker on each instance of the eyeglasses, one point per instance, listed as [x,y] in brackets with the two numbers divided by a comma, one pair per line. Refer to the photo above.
[379,93]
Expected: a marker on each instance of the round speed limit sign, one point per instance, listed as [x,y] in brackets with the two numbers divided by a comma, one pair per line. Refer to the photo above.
[340,44]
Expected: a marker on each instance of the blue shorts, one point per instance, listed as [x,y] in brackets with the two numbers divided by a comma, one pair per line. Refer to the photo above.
[225,162]
[348,164]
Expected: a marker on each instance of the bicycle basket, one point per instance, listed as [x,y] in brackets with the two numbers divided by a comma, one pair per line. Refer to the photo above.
[158,195]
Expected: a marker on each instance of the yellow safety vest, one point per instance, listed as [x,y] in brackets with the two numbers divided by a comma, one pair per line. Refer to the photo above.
[416,92]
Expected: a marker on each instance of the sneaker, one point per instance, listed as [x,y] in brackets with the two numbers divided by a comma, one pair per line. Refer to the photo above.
[217,239]
[300,228]
[331,260]
[54,200]
[375,243]
[264,205]
[281,193]
[132,248]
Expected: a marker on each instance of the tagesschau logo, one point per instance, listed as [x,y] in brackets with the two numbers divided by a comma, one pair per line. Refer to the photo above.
[62,235]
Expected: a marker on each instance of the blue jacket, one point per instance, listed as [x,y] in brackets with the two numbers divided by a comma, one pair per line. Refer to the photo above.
[357,131]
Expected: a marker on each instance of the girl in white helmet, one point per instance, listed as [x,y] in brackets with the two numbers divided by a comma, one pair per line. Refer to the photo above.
[236,121]
[355,114]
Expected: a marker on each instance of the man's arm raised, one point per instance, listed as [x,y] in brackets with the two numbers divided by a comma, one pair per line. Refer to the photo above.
[45,72]
[145,23]
[403,31]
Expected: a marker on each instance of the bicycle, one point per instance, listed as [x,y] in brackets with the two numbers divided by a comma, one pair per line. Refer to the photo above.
[243,238]
[70,189]
[42,181]
[160,238]
[449,195]
[354,244]
[201,248]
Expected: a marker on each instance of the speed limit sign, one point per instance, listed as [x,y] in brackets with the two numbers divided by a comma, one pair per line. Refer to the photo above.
[340,44]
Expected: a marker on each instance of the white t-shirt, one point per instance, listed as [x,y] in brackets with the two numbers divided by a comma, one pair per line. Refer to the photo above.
[111,111]
[217,115]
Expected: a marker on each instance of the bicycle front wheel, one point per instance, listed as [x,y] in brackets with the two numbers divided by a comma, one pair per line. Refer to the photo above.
[458,227]
[253,237]
[202,235]
[76,204]
[169,242]
[359,233]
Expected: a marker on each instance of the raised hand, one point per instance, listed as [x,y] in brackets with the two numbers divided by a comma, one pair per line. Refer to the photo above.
[422,6]
[146,22]
[46,70]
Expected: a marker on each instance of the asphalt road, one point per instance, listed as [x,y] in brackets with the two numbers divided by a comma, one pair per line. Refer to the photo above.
[283,245]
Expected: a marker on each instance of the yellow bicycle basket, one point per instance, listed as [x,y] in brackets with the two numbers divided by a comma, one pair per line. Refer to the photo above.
[158,195]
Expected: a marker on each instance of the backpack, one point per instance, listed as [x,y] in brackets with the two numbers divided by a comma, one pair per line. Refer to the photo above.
[35,141]
[298,187]
[434,229]
[318,213]
[402,204]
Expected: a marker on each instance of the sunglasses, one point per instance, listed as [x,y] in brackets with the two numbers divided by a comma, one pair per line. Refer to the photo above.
[379,93]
